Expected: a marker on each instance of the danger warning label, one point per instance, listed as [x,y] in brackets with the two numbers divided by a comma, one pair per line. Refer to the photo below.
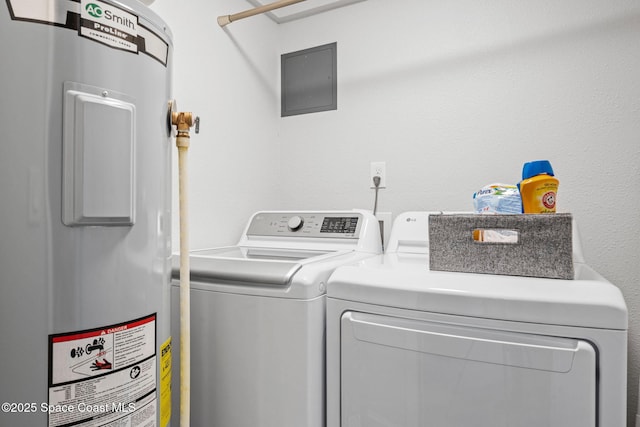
[100,376]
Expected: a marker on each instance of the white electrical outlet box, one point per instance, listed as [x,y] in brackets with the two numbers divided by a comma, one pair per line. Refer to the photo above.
[378,169]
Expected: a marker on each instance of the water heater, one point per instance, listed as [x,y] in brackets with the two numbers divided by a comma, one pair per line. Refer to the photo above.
[85,192]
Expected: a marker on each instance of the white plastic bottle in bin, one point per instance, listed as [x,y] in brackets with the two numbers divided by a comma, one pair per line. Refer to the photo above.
[538,188]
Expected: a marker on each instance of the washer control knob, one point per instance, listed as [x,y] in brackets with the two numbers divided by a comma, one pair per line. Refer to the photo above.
[295,223]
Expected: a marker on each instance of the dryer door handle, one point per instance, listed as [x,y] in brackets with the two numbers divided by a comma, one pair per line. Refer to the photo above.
[481,345]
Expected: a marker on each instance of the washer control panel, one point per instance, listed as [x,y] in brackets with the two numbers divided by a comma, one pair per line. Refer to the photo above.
[306,224]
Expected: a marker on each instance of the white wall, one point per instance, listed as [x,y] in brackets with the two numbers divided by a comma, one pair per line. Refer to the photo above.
[452,95]
[228,79]
[456,95]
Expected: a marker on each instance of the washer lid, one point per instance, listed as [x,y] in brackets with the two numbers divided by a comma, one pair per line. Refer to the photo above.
[405,281]
[261,266]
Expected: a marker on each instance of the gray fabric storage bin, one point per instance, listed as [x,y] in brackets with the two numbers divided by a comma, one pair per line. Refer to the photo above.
[543,249]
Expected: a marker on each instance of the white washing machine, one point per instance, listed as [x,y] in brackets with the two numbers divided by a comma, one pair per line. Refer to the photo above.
[410,347]
[258,318]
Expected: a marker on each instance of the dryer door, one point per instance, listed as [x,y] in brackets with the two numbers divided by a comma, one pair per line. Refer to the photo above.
[410,373]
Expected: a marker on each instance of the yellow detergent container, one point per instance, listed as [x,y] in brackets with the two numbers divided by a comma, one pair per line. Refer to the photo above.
[538,188]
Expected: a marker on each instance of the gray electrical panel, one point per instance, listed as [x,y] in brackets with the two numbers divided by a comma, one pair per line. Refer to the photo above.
[309,82]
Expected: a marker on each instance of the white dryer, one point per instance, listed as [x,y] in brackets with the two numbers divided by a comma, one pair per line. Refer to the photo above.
[409,347]
[258,318]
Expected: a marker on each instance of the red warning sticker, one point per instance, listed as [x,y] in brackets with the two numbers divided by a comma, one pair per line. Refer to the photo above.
[102,375]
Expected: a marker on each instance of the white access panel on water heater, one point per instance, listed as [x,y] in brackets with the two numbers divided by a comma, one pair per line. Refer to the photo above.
[99,156]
